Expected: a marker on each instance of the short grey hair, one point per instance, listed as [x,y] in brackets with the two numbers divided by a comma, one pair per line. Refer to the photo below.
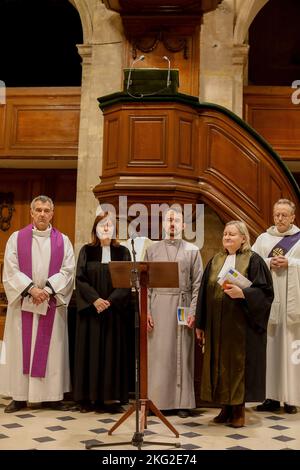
[43,199]
[242,228]
[287,202]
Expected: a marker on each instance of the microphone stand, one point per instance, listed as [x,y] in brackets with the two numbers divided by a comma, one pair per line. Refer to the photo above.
[137,439]
[138,436]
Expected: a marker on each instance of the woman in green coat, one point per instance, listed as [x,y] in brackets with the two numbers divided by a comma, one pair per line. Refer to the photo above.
[231,324]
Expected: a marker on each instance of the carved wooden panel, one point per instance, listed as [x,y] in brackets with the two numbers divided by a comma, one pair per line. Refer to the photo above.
[43,127]
[186,143]
[210,158]
[272,113]
[147,144]
[232,164]
[112,130]
[238,173]
[41,122]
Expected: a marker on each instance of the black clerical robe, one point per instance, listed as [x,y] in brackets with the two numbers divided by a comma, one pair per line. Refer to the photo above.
[101,360]
[234,361]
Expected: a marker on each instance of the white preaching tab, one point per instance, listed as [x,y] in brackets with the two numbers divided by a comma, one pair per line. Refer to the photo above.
[29,306]
[105,255]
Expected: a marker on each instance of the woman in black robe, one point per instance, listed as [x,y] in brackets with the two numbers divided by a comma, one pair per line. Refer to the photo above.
[231,326]
[101,364]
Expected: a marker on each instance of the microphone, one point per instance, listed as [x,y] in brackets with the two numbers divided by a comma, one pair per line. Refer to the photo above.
[132,233]
[169,70]
[141,57]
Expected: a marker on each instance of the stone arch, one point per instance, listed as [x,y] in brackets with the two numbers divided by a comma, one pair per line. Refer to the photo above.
[246,15]
[85,13]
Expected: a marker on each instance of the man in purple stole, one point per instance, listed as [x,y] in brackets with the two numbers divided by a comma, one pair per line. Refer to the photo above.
[38,278]
[280,248]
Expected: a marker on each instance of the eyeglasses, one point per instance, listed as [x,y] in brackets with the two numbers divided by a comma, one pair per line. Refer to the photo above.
[283,216]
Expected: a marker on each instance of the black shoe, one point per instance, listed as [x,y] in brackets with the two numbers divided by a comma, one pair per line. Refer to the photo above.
[290,409]
[183,413]
[113,408]
[15,405]
[56,405]
[269,405]
[87,407]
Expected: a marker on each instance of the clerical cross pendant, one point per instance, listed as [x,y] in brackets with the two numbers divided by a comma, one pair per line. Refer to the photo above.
[278,252]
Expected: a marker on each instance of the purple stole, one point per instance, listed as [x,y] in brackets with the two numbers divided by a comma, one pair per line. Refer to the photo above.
[45,325]
[284,245]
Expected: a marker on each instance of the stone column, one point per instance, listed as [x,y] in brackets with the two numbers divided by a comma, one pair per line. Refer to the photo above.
[239,62]
[84,195]
[101,75]
[224,52]
[216,44]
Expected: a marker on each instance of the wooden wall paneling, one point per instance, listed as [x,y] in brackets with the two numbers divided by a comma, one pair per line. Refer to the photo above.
[272,113]
[41,122]
[43,126]
[60,185]
[19,184]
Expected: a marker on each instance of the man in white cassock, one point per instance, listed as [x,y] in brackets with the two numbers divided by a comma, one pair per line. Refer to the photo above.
[280,248]
[170,344]
[38,279]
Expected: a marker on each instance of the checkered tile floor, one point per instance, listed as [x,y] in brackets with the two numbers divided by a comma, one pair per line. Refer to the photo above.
[43,429]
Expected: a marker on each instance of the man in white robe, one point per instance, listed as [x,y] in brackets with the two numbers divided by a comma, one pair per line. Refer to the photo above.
[280,248]
[38,278]
[171,345]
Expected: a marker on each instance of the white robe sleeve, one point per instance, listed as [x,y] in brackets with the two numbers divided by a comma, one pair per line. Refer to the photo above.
[63,282]
[14,281]
[293,286]
[196,275]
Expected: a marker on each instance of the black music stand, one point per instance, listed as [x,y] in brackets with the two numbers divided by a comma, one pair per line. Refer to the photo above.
[140,276]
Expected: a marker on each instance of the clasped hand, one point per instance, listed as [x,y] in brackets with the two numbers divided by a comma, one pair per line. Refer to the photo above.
[278,262]
[39,295]
[101,305]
